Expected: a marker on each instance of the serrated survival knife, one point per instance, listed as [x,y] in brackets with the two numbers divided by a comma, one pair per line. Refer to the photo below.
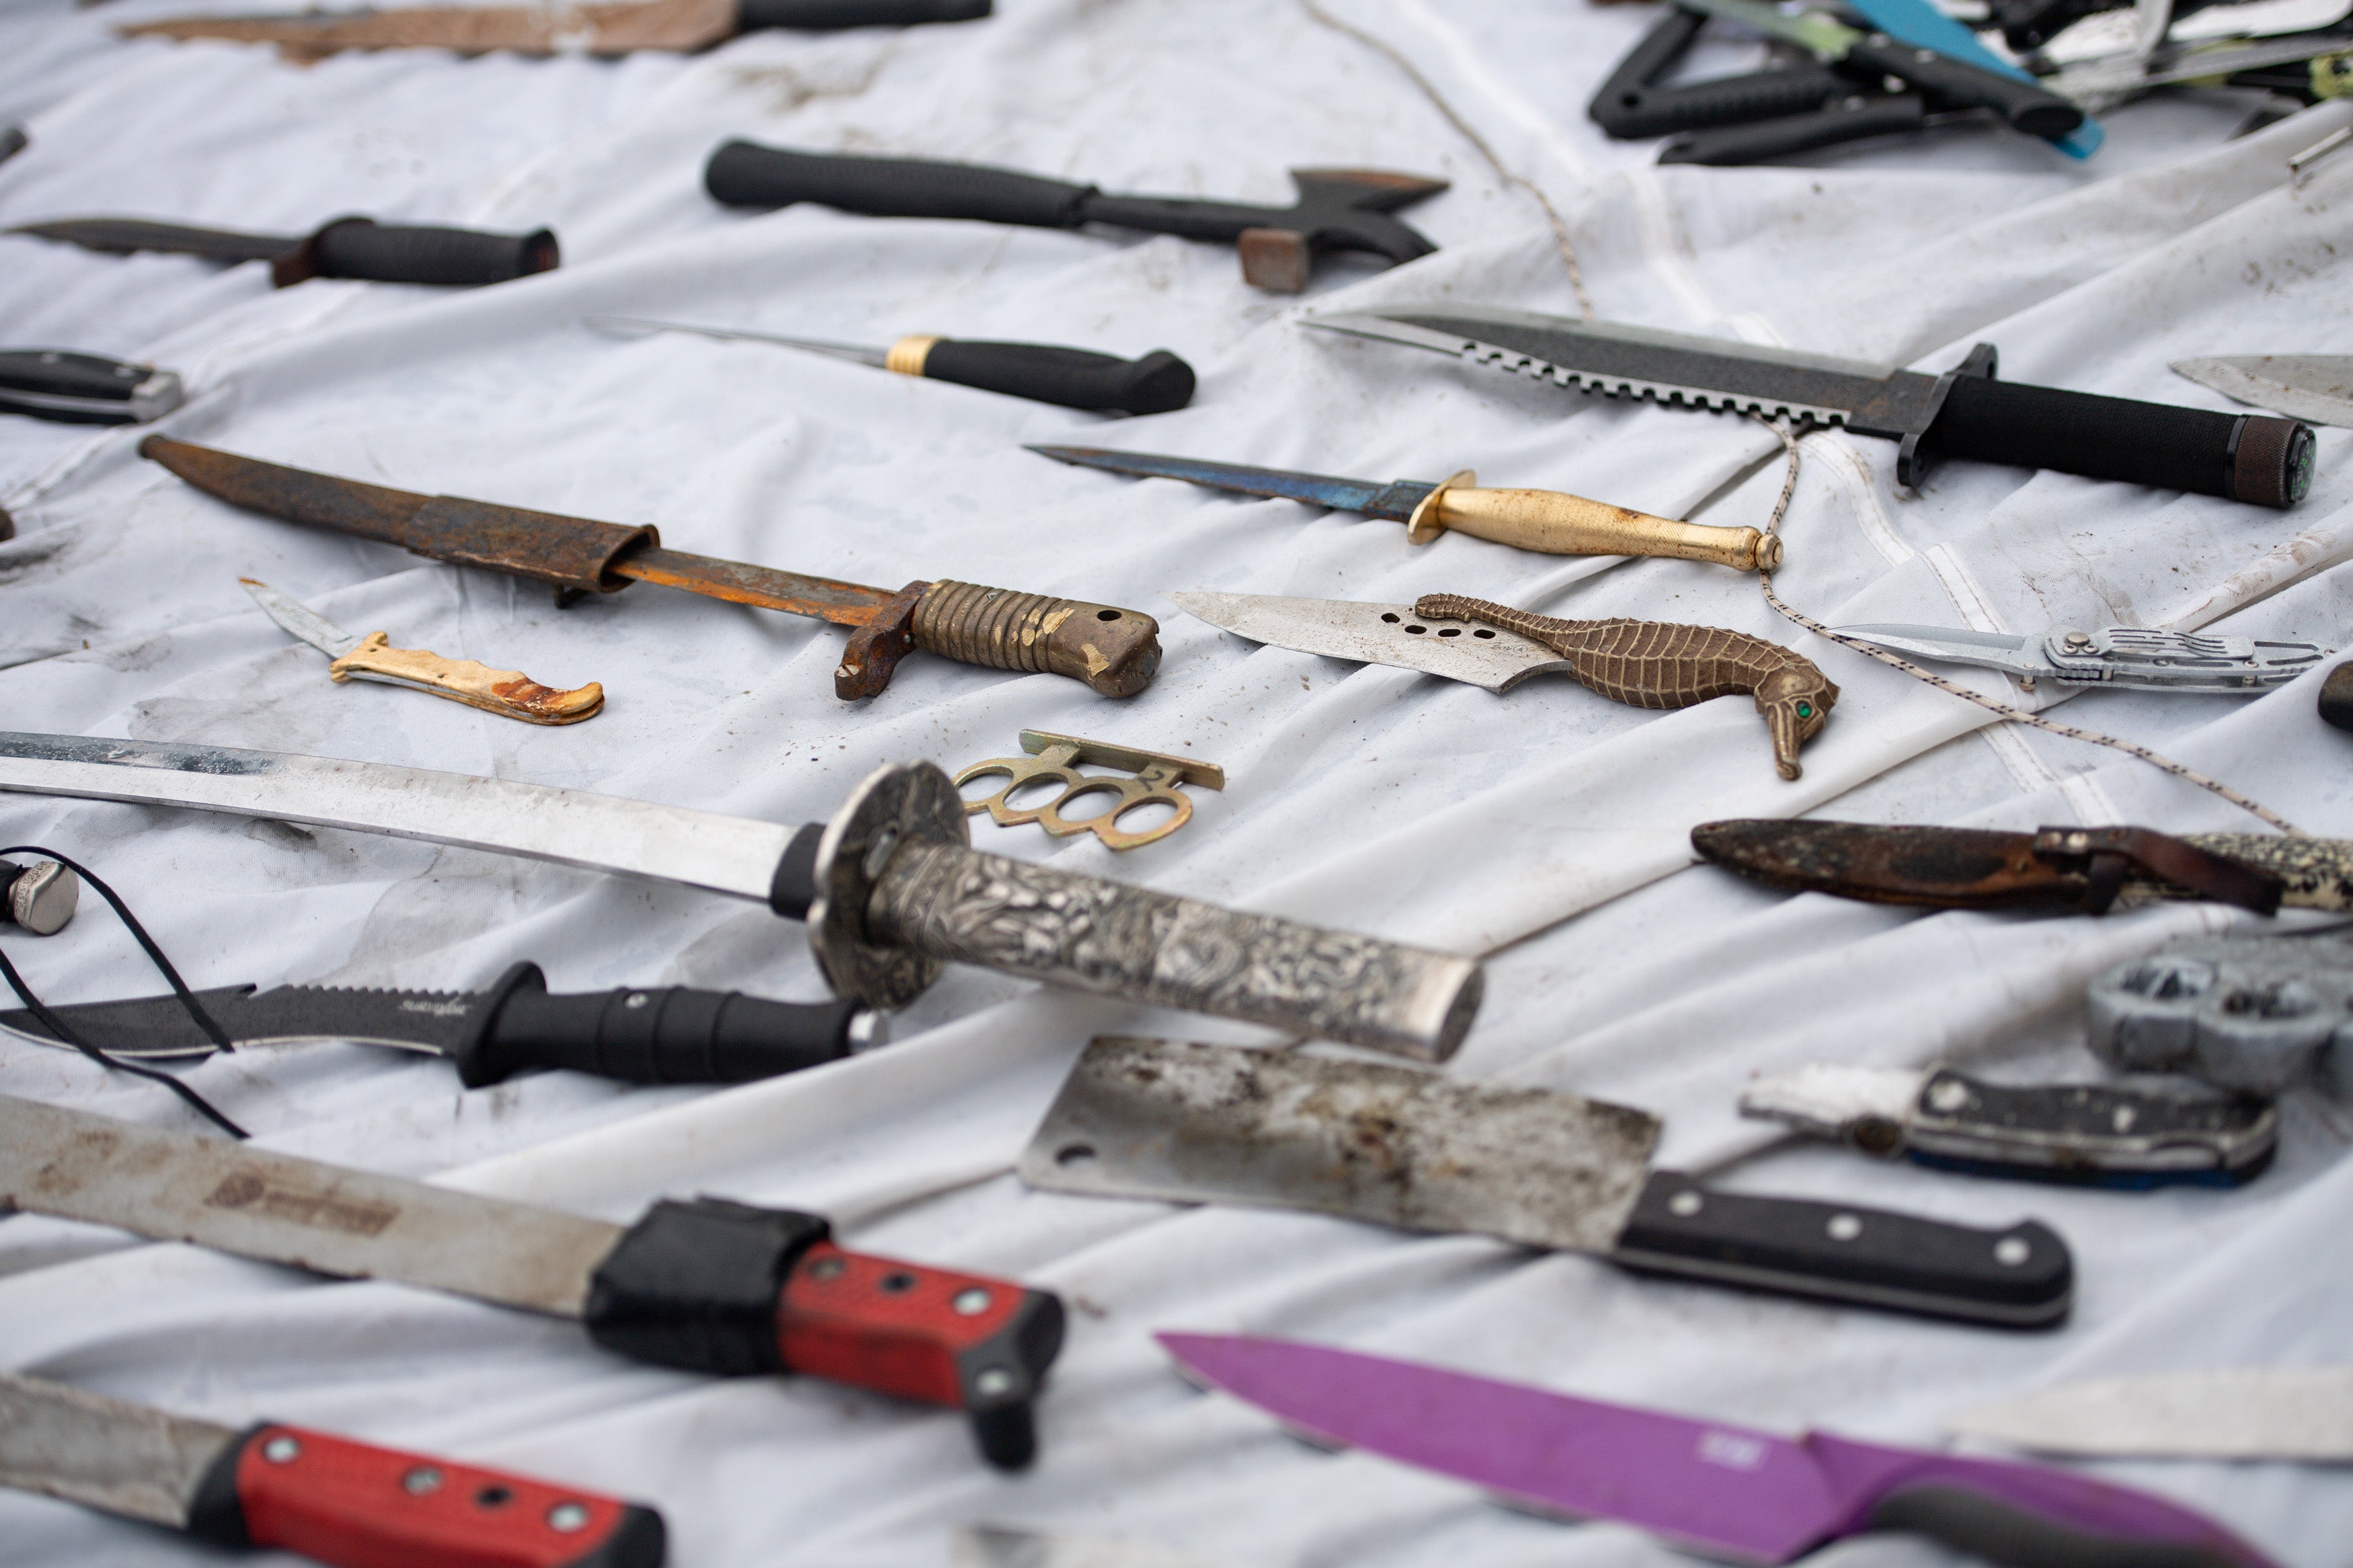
[708,1286]
[1963,413]
[889,888]
[1734,1493]
[1111,651]
[272,1486]
[347,247]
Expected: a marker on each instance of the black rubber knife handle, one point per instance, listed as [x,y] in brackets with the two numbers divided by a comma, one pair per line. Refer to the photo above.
[667,1034]
[2018,1278]
[1072,378]
[824,16]
[1632,104]
[1847,119]
[2255,458]
[403,253]
[747,175]
[1957,84]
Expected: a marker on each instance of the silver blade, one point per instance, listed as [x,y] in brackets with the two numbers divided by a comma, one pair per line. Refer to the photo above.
[2316,387]
[596,832]
[300,621]
[102,1453]
[1377,634]
[2230,1412]
[158,1028]
[176,1186]
[1954,645]
[633,326]
[1165,1119]
[1824,1100]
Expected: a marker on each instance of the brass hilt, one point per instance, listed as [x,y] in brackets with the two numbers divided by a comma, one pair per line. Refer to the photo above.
[507,692]
[1057,759]
[1561,524]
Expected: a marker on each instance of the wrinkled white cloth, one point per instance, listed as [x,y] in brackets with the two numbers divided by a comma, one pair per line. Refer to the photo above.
[1547,827]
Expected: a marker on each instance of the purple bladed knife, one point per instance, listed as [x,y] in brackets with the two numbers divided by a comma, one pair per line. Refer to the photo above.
[1727,1491]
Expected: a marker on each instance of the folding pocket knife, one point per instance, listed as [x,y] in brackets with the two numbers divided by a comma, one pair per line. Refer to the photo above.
[2129,656]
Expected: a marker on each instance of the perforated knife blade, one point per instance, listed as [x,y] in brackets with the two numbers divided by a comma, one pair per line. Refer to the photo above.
[2132,657]
[1377,634]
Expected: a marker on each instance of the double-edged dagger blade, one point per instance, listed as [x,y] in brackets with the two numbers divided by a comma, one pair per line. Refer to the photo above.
[346,248]
[564,27]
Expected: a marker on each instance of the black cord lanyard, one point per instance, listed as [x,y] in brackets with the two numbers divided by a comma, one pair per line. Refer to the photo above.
[65,1031]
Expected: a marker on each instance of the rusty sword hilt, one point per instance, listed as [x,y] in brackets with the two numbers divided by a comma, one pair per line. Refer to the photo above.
[1111,651]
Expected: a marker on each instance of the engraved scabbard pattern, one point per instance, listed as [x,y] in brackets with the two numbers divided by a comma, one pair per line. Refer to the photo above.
[1167,951]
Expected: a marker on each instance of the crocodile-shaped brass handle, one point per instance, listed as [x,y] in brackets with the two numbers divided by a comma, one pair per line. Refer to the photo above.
[1662,663]
[509,692]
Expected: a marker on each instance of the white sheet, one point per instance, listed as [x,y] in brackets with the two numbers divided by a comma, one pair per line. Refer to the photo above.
[1547,827]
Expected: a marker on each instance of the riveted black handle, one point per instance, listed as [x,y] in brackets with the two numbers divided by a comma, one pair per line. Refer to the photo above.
[1073,378]
[824,15]
[2253,458]
[402,253]
[83,389]
[664,1035]
[1847,119]
[747,175]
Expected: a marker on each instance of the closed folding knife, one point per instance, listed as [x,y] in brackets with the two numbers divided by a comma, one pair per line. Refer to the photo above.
[2129,656]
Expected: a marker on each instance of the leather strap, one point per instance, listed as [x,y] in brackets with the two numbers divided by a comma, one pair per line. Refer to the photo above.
[2108,857]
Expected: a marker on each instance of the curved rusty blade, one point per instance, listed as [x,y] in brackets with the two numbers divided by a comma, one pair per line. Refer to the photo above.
[599,29]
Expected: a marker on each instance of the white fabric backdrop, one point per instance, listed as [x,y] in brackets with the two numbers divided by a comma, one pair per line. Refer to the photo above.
[1548,826]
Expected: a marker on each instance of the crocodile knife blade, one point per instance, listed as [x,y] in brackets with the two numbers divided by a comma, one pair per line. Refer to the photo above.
[2314,387]
[708,1286]
[1114,651]
[295,1488]
[1963,413]
[345,247]
[1547,521]
[2212,1413]
[1727,1491]
[2130,658]
[564,27]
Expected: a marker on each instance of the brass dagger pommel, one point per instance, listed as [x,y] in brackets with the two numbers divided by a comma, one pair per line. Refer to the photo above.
[1561,524]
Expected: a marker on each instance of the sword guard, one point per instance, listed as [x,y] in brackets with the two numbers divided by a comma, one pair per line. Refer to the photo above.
[874,650]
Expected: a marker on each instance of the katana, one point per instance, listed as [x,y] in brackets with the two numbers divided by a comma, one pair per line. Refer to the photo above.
[1111,651]
[888,887]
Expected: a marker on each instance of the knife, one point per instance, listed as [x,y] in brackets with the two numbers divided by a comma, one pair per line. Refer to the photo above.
[2221,1412]
[84,389]
[294,1489]
[1546,521]
[1198,1124]
[1069,378]
[2253,1015]
[1922,25]
[1649,664]
[1115,652]
[2079,1134]
[708,1286]
[1729,1492]
[567,27]
[2318,388]
[2129,657]
[509,693]
[2113,80]
[39,899]
[652,1035]
[346,248]
[2086,869]
[1963,413]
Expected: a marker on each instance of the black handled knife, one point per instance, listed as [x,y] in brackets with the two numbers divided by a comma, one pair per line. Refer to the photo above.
[84,389]
[347,247]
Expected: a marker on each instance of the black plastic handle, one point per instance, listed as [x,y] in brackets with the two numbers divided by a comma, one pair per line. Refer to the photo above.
[674,1034]
[1632,104]
[826,16]
[2020,1277]
[1847,119]
[2255,458]
[400,253]
[747,175]
[2087,1133]
[1073,378]
[1957,84]
[1995,1531]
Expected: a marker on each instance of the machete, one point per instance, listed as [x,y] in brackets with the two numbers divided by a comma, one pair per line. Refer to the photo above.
[1114,651]
[672,1033]
[346,248]
[1963,413]
[1546,521]
[566,28]
[709,1286]
[274,1486]
[889,888]
[1731,1492]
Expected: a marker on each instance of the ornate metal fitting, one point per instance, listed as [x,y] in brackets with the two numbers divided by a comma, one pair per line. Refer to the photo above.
[1058,760]
[1424,525]
[906,803]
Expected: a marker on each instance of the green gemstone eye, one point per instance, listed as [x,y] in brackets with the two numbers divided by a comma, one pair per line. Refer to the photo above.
[1805,710]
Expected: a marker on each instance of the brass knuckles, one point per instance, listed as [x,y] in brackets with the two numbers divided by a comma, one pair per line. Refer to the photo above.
[1058,758]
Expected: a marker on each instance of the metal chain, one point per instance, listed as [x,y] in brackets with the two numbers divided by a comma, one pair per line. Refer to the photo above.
[2009,713]
[1438,100]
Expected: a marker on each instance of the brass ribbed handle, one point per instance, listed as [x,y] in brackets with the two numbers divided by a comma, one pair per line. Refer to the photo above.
[1561,524]
[1114,651]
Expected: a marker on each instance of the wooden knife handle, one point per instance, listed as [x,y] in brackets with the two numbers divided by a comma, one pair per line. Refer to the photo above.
[1112,650]
[1561,524]
[509,692]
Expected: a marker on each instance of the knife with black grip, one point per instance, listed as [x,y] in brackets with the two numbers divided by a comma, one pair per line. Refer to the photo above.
[357,247]
[1072,378]
[1849,119]
[1633,102]
[84,389]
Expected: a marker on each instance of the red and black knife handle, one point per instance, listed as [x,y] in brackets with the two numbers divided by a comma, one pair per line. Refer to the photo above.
[402,253]
[748,175]
[353,1505]
[727,1287]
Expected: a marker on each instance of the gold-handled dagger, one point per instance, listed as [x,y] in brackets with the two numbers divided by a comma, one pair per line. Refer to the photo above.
[509,693]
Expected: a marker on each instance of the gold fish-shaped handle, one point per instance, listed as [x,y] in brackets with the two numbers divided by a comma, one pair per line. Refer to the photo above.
[509,692]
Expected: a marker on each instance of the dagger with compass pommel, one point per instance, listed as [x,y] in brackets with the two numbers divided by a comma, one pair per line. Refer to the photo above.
[1112,650]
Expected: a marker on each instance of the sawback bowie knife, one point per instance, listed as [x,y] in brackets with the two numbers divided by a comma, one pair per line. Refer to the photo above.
[1963,413]
[709,1286]
[1111,651]
[274,1486]
[887,888]
[346,248]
